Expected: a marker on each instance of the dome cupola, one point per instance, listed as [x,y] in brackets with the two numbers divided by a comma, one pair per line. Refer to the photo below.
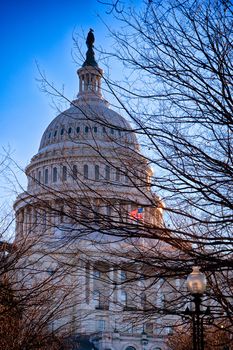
[90,74]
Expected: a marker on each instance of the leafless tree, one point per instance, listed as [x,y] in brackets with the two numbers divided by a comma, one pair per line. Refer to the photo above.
[177,95]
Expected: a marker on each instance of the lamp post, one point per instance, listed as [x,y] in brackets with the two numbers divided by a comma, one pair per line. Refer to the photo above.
[196,285]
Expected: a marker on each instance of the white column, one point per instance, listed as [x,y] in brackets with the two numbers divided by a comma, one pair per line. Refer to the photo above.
[91,279]
[25,226]
[111,289]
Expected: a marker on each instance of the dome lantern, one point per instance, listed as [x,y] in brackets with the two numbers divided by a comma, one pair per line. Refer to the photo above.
[90,74]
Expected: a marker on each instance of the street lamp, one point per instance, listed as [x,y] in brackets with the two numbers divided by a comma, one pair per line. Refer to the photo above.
[196,282]
[196,285]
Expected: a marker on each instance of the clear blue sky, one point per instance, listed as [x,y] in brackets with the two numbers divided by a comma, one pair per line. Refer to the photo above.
[39,31]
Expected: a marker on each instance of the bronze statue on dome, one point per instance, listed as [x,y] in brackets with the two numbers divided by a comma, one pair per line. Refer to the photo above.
[90,55]
[90,39]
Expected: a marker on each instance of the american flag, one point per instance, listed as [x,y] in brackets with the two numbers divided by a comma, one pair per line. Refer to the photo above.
[137,214]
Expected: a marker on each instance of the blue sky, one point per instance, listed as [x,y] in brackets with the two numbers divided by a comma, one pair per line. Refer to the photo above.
[39,31]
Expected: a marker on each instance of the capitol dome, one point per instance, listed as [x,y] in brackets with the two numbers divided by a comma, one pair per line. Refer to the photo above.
[89,120]
[89,153]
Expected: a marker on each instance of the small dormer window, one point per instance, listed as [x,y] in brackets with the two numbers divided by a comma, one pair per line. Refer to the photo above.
[62,132]
[86,129]
[55,133]
[78,129]
[69,131]
[95,129]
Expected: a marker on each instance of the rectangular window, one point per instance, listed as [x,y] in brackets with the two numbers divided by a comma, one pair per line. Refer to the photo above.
[96,299]
[46,176]
[107,172]
[85,171]
[97,172]
[118,174]
[109,210]
[96,273]
[54,174]
[123,298]
[123,276]
[100,325]
[39,176]
[64,173]
[75,172]
[96,214]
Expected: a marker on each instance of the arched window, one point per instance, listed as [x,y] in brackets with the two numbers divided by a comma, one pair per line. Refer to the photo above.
[85,171]
[123,297]
[130,348]
[55,174]
[86,129]
[69,130]
[62,132]
[97,172]
[107,172]
[75,172]
[55,133]
[46,176]
[96,299]
[64,173]
[78,129]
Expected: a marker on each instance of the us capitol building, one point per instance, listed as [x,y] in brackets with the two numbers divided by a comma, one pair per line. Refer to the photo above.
[87,199]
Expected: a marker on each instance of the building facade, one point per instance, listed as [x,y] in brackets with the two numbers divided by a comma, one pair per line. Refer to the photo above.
[88,197]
